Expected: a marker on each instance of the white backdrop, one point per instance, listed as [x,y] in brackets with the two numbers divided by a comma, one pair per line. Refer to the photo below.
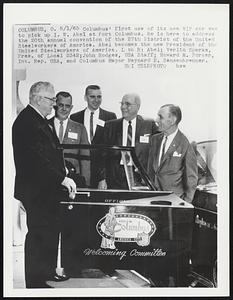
[195,90]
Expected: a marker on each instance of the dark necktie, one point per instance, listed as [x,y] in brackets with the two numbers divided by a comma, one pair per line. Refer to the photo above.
[129,135]
[91,126]
[163,149]
[129,141]
[61,130]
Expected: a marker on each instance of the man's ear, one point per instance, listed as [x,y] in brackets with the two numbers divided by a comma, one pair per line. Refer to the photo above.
[173,119]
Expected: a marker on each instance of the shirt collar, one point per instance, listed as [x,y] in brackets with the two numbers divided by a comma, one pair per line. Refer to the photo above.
[96,112]
[133,121]
[172,135]
[58,121]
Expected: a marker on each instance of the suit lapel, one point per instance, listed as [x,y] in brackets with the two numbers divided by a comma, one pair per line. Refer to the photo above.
[157,146]
[52,127]
[68,128]
[138,129]
[119,129]
[174,144]
[82,116]
[101,114]
[97,130]
[50,131]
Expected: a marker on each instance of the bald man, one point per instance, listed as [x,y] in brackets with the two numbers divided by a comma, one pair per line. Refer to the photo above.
[116,132]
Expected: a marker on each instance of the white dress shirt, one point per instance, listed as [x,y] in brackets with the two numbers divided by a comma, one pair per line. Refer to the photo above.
[168,143]
[57,126]
[125,131]
[87,115]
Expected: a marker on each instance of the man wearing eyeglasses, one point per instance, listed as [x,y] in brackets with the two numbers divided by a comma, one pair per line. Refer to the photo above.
[130,130]
[93,117]
[40,175]
[70,132]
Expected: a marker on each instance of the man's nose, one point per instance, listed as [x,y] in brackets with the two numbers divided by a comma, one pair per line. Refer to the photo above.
[124,105]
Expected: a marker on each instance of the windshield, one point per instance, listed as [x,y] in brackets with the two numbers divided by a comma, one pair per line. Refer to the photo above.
[118,165]
[207,163]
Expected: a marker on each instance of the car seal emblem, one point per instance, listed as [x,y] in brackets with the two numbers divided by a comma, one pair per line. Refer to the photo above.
[125,228]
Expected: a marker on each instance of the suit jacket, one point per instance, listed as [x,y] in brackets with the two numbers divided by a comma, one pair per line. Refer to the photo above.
[82,166]
[38,161]
[97,139]
[177,171]
[113,136]
[103,115]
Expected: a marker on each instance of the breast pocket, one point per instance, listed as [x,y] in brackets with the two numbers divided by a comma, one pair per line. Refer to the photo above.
[175,164]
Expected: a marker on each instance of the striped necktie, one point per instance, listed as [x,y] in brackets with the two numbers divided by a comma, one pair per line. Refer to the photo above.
[129,135]
[129,141]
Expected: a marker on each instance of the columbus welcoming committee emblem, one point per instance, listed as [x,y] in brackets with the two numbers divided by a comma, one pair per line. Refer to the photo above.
[125,227]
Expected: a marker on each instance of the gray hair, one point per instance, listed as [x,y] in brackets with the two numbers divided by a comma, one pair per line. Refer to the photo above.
[37,87]
[136,98]
[174,110]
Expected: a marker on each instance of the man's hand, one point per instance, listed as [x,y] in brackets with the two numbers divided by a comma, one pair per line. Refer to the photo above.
[70,185]
[102,185]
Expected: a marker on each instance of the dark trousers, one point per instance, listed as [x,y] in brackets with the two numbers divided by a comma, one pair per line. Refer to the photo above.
[41,244]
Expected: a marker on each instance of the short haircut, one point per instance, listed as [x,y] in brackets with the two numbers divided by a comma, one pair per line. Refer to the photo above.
[91,87]
[37,87]
[136,98]
[174,110]
[64,95]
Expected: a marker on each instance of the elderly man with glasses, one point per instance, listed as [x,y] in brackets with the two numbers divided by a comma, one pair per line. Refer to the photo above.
[130,130]
[40,175]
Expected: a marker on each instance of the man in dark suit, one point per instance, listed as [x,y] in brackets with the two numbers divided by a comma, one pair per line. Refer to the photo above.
[70,132]
[116,132]
[93,117]
[172,163]
[40,175]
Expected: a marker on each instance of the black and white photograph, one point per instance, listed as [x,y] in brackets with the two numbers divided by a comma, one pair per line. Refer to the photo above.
[116,170]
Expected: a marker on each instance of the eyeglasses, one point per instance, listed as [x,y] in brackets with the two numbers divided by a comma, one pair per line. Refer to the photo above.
[51,99]
[127,104]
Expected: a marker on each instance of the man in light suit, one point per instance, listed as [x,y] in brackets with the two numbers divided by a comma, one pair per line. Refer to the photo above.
[172,164]
[93,117]
[70,132]
[40,175]
[116,133]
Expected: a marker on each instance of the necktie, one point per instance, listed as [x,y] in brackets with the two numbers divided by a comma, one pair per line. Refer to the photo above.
[91,126]
[61,129]
[129,135]
[163,149]
[129,141]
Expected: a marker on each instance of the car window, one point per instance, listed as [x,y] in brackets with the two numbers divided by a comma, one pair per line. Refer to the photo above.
[207,164]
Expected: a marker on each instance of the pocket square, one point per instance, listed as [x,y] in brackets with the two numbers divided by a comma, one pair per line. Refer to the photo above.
[176,154]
